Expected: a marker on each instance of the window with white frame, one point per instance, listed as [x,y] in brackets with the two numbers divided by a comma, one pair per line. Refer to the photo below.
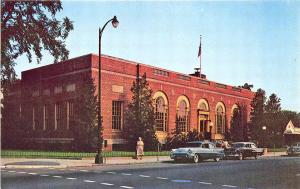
[161,114]
[58,116]
[46,123]
[34,121]
[70,113]
[182,117]
[220,120]
[117,115]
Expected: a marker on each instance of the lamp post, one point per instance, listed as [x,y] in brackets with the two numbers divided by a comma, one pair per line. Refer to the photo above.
[264,128]
[99,158]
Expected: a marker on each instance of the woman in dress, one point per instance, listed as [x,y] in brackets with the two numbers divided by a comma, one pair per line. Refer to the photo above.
[139,148]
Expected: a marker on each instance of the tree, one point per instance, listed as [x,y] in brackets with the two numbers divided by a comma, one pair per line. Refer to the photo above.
[29,27]
[286,116]
[176,140]
[273,104]
[140,117]
[272,122]
[257,116]
[85,120]
[236,127]
[11,127]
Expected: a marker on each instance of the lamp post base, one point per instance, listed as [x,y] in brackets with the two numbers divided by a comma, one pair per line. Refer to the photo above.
[99,159]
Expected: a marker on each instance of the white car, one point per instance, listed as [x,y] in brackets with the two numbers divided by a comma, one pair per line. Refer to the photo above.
[294,149]
[197,151]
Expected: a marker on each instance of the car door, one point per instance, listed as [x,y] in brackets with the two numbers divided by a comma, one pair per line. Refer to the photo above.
[248,150]
[205,151]
[212,151]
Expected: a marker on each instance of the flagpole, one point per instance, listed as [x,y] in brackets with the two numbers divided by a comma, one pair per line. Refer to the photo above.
[200,53]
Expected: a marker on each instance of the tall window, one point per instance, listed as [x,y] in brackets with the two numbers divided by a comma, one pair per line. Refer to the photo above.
[20,112]
[182,117]
[203,114]
[34,118]
[220,120]
[70,113]
[161,114]
[46,123]
[58,116]
[117,115]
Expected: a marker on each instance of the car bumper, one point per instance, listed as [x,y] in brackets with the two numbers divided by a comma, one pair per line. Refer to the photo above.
[181,156]
[231,155]
[293,153]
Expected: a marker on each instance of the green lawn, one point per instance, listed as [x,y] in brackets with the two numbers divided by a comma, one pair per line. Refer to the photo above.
[72,155]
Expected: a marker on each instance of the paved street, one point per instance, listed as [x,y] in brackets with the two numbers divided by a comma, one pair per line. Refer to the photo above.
[271,172]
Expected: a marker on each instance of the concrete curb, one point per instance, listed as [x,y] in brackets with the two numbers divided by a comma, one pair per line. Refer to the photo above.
[72,166]
[32,166]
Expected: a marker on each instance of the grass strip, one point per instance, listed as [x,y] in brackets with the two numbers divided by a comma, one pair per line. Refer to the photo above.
[72,155]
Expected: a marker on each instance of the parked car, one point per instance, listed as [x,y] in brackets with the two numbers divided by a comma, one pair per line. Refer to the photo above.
[241,150]
[197,151]
[294,149]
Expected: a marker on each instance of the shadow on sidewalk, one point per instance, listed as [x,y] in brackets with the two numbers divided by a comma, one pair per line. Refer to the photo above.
[46,163]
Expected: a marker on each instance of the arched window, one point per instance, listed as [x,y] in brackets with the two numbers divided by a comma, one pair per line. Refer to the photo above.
[235,108]
[161,114]
[220,119]
[203,107]
[182,116]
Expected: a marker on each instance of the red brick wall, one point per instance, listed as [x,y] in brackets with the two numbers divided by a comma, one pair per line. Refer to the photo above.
[121,72]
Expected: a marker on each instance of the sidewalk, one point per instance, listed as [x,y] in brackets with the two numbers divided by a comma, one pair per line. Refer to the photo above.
[63,163]
[270,154]
[86,162]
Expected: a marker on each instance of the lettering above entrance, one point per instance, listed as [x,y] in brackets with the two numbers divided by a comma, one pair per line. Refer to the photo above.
[117,89]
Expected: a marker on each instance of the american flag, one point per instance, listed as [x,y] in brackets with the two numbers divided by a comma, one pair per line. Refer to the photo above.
[199,52]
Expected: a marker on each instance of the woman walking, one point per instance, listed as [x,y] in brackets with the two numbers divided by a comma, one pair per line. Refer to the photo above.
[139,148]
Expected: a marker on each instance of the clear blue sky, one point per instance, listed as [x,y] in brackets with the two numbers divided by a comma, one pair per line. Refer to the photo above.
[253,42]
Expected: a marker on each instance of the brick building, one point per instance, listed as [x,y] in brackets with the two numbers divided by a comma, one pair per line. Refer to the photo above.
[181,101]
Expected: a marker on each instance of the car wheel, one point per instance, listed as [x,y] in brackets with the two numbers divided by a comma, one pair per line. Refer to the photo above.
[241,157]
[196,158]
[217,159]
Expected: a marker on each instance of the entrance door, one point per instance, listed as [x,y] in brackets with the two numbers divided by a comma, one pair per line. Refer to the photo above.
[203,121]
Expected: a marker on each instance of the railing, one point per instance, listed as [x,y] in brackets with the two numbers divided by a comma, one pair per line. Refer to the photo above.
[219,85]
[184,77]
[236,89]
[75,155]
[205,82]
[161,73]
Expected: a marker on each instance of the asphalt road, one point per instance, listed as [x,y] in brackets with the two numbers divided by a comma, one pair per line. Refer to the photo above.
[279,172]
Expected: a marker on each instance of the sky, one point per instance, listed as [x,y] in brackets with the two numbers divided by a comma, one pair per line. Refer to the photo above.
[254,42]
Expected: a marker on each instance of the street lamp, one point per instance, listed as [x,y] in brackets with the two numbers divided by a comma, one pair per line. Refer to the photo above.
[99,158]
[264,128]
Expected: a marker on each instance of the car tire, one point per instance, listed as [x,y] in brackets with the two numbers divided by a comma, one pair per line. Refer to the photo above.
[241,156]
[196,158]
[217,159]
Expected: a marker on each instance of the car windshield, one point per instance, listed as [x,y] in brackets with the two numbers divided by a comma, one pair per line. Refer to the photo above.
[193,144]
[238,145]
[296,144]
